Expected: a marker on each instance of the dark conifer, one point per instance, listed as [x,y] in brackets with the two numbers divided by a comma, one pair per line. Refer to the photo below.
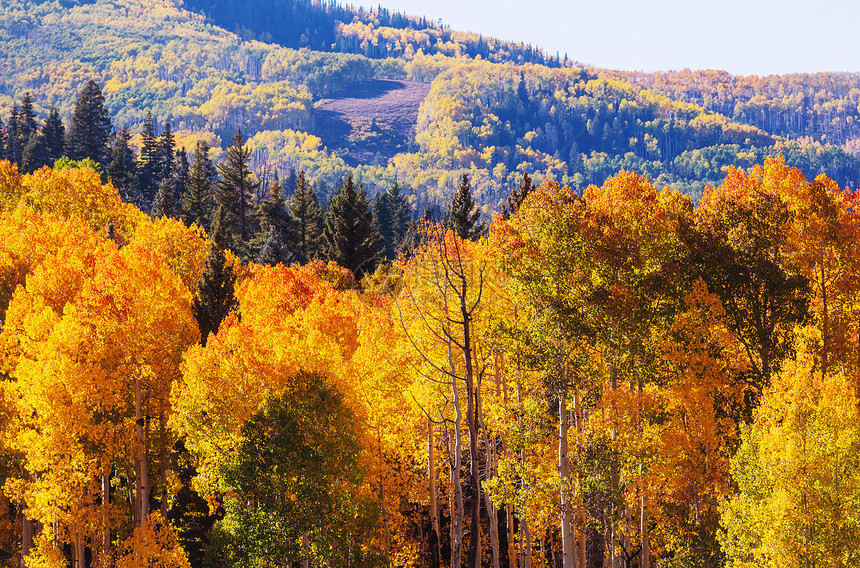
[3,155]
[55,135]
[235,189]
[26,119]
[215,293]
[352,239]
[121,170]
[517,196]
[14,149]
[35,154]
[90,127]
[392,218]
[165,200]
[165,158]
[147,165]
[463,213]
[273,250]
[197,200]
[309,220]
[181,171]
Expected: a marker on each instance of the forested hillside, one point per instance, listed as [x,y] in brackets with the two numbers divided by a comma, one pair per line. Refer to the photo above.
[494,110]
[290,283]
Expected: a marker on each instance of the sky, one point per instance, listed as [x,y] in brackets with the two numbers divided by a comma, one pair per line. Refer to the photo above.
[744,37]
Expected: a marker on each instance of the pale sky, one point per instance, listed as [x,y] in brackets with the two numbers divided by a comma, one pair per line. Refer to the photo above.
[743,37]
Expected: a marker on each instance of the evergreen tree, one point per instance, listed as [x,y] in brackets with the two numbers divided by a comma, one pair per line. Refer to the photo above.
[26,119]
[55,135]
[222,236]
[166,144]
[352,239]
[197,199]
[14,149]
[309,220]
[215,295]
[165,200]
[147,165]
[463,213]
[517,196]
[181,170]
[235,189]
[3,155]
[273,250]
[35,154]
[90,127]
[121,170]
[392,219]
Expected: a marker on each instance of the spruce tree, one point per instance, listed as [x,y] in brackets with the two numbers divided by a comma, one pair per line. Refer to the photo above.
[273,250]
[181,170]
[309,220]
[90,127]
[463,214]
[26,119]
[3,155]
[166,144]
[392,218]
[235,189]
[197,201]
[14,149]
[147,165]
[352,239]
[215,295]
[35,154]
[55,135]
[121,170]
[517,196]
[165,200]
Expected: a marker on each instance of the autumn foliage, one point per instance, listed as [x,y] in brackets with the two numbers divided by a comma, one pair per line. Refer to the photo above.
[619,377]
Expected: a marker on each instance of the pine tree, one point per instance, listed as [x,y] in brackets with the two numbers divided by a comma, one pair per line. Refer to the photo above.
[121,170]
[181,169]
[90,127]
[147,165]
[165,200]
[215,295]
[309,220]
[3,148]
[352,239]
[235,189]
[273,250]
[55,135]
[166,144]
[463,213]
[517,196]
[26,119]
[197,200]
[14,149]
[222,236]
[35,154]
[392,219]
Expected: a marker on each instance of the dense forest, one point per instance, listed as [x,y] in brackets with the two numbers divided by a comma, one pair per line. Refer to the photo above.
[586,318]
[495,109]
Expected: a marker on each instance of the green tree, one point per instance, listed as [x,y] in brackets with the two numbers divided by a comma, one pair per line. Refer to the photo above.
[215,295]
[463,213]
[35,154]
[121,170]
[235,189]
[165,200]
[352,239]
[14,148]
[164,154]
[90,127]
[55,135]
[148,160]
[26,119]
[305,209]
[197,201]
[296,466]
[275,225]
[392,219]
